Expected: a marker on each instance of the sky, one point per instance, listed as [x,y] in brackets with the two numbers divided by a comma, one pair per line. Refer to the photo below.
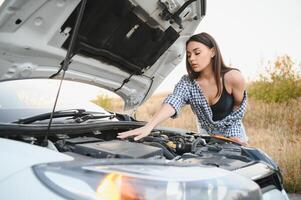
[249,33]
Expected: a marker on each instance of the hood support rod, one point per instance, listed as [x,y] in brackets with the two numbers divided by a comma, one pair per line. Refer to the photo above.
[70,52]
[65,63]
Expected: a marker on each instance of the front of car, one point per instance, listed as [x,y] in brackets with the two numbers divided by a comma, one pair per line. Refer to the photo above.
[56,144]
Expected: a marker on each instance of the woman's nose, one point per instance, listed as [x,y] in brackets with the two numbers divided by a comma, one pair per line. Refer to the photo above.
[191,58]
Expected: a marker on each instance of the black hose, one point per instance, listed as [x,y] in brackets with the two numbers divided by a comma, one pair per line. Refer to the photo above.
[166,152]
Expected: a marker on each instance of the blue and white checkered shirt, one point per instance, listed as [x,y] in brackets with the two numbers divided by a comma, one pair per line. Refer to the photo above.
[188,91]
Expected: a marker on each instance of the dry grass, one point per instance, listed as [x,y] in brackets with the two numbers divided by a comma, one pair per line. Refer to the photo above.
[284,149]
[275,128]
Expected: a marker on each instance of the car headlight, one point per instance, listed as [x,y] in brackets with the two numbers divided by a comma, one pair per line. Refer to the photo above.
[129,180]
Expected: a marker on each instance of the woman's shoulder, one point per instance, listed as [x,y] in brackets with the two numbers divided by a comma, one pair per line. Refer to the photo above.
[234,80]
[234,77]
[186,78]
[185,82]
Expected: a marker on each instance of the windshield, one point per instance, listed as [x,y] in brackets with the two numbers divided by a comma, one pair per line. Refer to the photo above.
[25,98]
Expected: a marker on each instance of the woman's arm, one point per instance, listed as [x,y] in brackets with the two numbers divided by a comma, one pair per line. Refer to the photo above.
[236,84]
[164,113]
[170,108]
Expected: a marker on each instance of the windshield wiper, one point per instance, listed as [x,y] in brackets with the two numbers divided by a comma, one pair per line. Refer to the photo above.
[79,115]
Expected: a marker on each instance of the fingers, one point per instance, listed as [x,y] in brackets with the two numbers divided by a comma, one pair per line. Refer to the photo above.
[139,133]
[139,137]
[127,134]
[136,132]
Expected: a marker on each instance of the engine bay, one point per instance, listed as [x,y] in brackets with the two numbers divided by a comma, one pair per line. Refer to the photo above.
[167,144]
[99,142]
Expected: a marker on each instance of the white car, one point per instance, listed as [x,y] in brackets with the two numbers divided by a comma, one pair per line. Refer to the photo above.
[55,144]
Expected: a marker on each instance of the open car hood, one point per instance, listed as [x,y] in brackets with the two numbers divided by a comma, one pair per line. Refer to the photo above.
[126,46]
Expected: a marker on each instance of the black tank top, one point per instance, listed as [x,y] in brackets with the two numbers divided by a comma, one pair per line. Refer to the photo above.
[223,106]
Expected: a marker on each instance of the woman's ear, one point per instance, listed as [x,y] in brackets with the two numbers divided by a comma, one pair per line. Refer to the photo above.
[212,52]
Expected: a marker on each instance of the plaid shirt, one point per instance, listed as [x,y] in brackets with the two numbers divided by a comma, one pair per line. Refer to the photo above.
[188,92]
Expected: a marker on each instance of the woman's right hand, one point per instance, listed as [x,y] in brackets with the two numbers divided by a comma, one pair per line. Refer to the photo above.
[138,132]
[162,114]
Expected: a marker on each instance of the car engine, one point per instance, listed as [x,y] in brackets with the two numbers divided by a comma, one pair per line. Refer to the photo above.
[163,144]
[168,144]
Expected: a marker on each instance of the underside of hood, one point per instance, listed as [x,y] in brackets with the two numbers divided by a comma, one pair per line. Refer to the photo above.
[125,46]
[115,34]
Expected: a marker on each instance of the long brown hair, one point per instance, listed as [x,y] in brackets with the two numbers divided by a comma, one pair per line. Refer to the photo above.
[219,67]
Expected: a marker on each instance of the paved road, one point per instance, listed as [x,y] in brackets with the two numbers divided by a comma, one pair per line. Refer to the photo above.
[294,196]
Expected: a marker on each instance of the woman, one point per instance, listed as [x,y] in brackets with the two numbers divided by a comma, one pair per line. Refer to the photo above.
[215,92]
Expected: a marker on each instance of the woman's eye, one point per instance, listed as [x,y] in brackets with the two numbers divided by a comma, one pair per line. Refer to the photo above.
[197,53]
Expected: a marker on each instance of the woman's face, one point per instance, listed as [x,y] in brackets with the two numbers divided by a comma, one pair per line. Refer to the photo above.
[198,55]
